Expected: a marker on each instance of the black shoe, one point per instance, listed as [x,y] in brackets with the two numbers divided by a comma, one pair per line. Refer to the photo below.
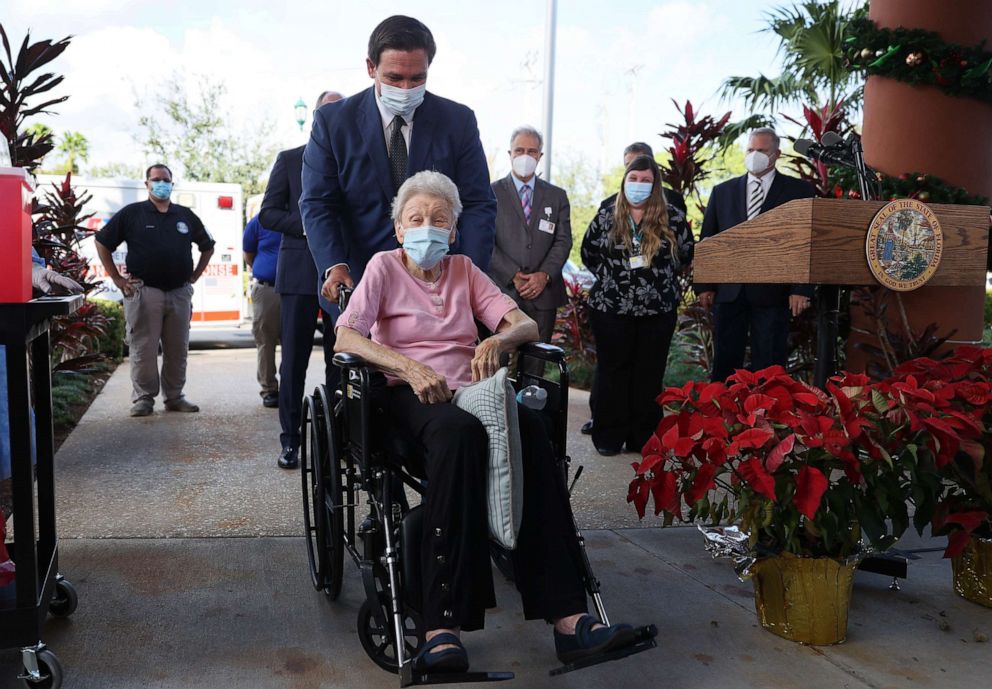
[608,451]
[288,458]
[271,400]
[588,642]
[587,428]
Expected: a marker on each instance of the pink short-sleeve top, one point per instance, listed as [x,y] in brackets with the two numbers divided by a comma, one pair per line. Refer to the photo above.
[429,322]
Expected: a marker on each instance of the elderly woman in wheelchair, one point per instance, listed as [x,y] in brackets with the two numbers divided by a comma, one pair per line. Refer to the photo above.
[413,318]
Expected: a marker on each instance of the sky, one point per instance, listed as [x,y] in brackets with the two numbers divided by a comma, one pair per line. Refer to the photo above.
[618,65]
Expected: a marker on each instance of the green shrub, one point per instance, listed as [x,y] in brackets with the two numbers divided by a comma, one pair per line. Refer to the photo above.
[111,344]
[988,308]
[69,390]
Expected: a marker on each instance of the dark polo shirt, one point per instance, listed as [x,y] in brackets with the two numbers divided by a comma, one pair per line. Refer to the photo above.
[158,244]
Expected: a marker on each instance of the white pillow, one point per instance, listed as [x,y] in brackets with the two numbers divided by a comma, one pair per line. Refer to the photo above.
[494,403]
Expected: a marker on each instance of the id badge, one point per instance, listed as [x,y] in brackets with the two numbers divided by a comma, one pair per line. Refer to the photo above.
[546,226]
[635,262]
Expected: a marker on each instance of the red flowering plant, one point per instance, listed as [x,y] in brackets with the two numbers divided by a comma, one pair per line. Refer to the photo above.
[777,456]
[948,404]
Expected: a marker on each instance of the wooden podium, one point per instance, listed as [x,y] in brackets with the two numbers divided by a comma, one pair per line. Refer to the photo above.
[822,242]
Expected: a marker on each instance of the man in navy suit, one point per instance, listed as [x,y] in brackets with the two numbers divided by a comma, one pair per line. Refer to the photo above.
[759,310]
[362,148]
[296,283]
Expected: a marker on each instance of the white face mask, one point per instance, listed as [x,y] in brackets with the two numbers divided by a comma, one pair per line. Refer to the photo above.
[756,162]
[523,166]
[401,102]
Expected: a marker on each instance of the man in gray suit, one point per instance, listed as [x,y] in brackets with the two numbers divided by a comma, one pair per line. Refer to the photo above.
[533,234]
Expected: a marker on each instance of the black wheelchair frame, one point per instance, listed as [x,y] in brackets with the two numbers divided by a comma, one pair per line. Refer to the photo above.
[341,458]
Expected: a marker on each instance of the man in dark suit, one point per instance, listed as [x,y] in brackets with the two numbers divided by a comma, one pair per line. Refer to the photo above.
[759,310]
[297,284]
[361,150]
[533,235]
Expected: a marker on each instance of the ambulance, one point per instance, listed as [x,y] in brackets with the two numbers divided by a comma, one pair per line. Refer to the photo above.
[219,294]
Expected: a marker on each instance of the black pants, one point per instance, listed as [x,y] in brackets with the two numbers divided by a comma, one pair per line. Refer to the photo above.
[299,321]
[631,354]
[736,322]
[455,568]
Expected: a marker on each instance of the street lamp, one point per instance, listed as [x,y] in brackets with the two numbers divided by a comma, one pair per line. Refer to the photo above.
[301,113]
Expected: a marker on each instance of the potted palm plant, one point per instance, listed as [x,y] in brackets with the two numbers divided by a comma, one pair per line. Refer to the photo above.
[790,465]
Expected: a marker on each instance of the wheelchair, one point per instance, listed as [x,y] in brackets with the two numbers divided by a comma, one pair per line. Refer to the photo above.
[347,453]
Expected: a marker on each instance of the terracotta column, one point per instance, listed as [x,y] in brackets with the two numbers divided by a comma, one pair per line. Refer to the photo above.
[919,128]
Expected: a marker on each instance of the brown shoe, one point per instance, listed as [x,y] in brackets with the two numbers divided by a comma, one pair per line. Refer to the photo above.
[181,404]
[142,408]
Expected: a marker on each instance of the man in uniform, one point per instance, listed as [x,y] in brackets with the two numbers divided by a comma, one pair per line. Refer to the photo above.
[158,289]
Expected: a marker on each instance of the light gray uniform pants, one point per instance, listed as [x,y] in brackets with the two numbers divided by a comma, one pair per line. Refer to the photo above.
[155,316]
[266,323]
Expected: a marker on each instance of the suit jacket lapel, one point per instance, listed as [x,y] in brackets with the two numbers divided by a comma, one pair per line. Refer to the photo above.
[370,126]
[740,198]
[774,192]
[510,189]
[424,121]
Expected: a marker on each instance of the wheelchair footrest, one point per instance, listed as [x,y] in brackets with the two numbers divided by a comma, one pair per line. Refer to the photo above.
[413,679]
[645,641]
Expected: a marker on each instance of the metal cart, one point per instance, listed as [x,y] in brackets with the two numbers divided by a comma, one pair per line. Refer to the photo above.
[40,589]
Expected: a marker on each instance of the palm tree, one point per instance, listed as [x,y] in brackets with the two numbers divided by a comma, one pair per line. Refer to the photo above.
[814,70]
[76,147]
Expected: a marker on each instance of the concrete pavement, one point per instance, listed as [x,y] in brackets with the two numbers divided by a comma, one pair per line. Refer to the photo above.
[182,538]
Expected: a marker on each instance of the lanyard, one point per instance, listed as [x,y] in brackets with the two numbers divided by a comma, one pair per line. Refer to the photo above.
[636,235]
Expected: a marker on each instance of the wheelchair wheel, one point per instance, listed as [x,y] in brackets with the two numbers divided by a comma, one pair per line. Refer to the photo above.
[311,471]
[378,642]
[333,469]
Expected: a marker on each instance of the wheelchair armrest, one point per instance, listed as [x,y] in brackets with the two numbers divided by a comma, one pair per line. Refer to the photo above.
[542,350]
[349,360]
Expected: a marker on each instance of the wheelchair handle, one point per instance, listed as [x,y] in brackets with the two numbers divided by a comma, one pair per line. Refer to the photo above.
[542,350]
[344,294]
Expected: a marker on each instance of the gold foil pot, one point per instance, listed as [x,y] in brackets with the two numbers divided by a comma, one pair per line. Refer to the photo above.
[804,599]
[973,572]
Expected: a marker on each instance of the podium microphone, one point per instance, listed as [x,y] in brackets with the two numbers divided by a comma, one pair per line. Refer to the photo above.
[831,154]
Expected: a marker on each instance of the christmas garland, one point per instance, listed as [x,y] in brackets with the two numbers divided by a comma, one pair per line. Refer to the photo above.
[921,58]
[912,185]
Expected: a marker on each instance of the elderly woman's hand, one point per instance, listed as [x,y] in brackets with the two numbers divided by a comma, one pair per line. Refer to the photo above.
[486,360]
[429,385]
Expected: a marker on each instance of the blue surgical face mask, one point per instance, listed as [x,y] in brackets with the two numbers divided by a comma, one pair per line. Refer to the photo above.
[161,190]
[426,245]
[401,102]
[637,192]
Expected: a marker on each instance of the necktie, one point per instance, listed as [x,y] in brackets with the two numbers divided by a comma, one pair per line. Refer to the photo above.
[397,152]
[756,198]
[525,197]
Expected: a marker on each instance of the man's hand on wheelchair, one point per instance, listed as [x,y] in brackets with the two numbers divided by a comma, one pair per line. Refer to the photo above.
[485,363]
[339,275]
[429,385]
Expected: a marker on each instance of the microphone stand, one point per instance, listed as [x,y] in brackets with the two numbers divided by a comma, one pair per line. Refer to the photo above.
[828,302]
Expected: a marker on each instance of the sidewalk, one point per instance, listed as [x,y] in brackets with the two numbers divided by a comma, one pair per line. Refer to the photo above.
[181,535]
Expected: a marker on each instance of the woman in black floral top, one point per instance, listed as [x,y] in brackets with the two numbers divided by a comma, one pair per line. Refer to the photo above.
[635,248]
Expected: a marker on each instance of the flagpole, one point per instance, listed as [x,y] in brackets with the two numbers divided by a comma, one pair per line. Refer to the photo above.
[549,84]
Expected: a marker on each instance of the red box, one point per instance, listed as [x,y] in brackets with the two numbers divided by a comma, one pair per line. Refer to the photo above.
[16,190]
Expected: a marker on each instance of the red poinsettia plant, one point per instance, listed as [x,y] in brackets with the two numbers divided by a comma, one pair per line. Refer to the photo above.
[777,456]
[949,402]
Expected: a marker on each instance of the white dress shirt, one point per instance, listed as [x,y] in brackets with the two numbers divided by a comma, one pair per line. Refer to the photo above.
[766,184]
[387,120]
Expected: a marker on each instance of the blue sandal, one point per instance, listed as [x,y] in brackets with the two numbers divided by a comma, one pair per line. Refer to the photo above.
[448,660]
[588,642]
